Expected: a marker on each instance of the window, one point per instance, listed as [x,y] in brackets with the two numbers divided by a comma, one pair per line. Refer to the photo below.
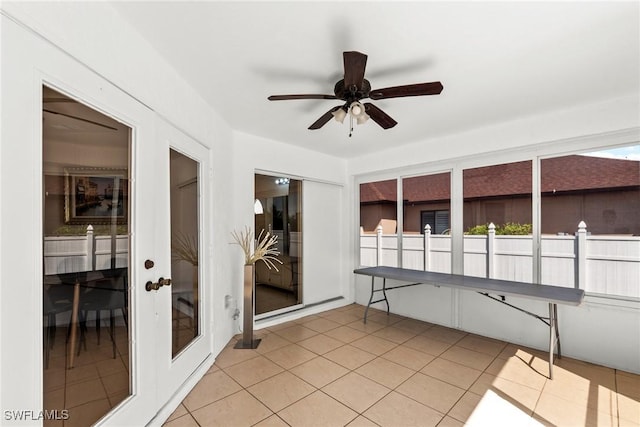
[438,221]
[498,240]
[590,227]
[378,214]
[585,219]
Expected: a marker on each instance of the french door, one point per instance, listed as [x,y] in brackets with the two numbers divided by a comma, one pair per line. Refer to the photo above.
[135,197]
[140,202]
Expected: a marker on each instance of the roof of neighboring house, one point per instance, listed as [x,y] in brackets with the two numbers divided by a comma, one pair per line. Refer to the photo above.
[560,174]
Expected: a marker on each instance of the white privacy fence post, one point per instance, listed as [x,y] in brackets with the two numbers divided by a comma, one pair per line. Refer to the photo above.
[581,256]
[491,238]
[379,245]
[90,248]
[427,247]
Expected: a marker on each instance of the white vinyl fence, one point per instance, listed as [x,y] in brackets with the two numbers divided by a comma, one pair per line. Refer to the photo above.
[603,264]
[68,254]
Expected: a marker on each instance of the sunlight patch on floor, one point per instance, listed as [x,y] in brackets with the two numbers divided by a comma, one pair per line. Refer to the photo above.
[495,411]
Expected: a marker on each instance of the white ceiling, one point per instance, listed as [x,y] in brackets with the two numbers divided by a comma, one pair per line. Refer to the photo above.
[498,61]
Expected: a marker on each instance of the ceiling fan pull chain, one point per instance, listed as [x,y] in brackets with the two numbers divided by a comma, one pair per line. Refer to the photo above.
[350,124]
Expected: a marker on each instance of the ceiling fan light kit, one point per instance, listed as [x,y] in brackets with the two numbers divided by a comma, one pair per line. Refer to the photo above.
[354,87]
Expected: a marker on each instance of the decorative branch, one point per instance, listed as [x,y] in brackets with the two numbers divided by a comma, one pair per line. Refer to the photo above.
[265,247]
[185,248]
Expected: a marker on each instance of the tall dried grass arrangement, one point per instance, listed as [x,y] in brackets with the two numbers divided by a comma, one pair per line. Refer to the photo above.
[185,248]
[265,250]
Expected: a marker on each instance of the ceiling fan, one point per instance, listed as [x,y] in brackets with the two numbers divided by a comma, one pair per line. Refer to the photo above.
[48,100]
[354,87]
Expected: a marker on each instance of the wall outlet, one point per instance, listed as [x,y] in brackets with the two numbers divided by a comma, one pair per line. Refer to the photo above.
[236,314]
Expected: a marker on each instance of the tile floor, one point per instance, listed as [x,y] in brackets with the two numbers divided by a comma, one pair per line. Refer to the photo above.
[331,369]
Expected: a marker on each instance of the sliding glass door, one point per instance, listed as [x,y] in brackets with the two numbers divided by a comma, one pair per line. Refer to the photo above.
[278,210]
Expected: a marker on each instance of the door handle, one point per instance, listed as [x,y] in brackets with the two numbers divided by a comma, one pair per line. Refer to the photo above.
[150,286]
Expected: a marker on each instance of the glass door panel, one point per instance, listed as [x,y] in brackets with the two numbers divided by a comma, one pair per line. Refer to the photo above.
[86,258]
[278,210]
[184,250]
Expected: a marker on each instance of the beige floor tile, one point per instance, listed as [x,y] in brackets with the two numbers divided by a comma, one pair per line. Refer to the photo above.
[271,342]
[469,358]
[356,391]
[350,357]
[427,345]
[87,413]
[525,353]
[369,327]
[253,371]
[374,345]
[115,383]
[431,392]
[554,410]
[111,366]
[281,390]
[320,344]
[239,409]
[344,318]
[514,369]
[597,397]
[606,377]
[519,395]
[290,356]
[452,373]
[385,372]
[384,318]
[319,371]
[179,411]
[282,326]
[320,324]
[396,335]
[183,421]
[450,422]
[413,325]
[210,388]
[493,410]
[296,333]
[397,410]
[408,357]
[464,407]
[230,356]
[482,344]
[317,410]
[444,334]
[628,409]
[628,384]
[362,422]
[80,393]
[345,334]
[272,421]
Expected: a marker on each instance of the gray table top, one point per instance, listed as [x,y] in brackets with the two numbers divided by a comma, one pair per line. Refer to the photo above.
[548,293]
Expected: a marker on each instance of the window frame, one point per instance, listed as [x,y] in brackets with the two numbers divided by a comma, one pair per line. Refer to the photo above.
[534,153]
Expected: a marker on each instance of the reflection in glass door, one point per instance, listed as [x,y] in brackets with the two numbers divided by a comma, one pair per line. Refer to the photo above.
[184,250]
[278,210]
[85,288]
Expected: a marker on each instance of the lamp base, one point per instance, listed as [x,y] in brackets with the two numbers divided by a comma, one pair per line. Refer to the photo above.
[252,344]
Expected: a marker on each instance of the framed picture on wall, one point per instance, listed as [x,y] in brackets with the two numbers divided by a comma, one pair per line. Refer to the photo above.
[96,196]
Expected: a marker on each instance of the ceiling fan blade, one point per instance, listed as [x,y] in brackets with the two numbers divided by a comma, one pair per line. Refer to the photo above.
[324,118]
[309,96]
[418,89]
[48,100]
[379,116]
[80,119]
[354,66]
